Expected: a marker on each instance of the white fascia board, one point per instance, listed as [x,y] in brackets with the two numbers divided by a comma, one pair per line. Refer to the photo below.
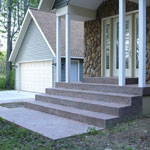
[21,35]
[46,5]
[77,13]
[73,57]
[62,11]
[48,44]
[83,12]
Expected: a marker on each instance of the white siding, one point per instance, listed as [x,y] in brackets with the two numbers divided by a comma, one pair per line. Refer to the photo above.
[33,48]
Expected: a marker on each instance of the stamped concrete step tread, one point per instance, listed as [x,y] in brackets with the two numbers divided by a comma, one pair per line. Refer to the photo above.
[102,103]
[100,84]
[75,110]
[95,92]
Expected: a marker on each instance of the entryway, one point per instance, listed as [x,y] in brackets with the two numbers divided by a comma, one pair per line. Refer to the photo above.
[110,48]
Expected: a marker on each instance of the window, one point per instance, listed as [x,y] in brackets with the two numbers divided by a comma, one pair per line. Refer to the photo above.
[137,42]
[107,44]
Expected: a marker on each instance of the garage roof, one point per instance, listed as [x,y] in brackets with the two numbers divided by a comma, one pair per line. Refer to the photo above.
[46,22]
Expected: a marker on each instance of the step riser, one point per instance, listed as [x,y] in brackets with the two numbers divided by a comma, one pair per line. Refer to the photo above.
[89,96]
[110,80]
[85,119]
[101,88]
[80,105]
[100,80]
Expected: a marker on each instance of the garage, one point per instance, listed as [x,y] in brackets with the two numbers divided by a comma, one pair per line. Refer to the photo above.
[36,76]
[34,54]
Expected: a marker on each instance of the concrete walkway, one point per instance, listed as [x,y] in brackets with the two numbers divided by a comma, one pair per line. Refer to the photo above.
[51,126]
[14,95]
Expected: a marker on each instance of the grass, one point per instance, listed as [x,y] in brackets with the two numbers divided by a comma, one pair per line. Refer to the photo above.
[132,135]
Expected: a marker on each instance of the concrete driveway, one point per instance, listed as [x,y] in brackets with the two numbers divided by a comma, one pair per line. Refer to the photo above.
[15,95]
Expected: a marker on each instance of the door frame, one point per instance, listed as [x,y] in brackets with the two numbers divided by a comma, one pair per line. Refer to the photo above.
[132,14]
[78,61]
[128,72]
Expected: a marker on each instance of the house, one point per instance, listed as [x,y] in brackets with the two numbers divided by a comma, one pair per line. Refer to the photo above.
[34,54]
[116,62]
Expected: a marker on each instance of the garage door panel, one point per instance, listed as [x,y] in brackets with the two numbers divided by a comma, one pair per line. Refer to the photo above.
[36,76]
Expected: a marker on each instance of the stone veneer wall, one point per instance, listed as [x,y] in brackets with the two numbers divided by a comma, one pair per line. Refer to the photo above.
[92,29]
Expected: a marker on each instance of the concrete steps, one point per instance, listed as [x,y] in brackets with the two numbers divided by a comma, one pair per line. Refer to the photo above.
[91,105]
[101,87]
[93,95]
[96,101]
[101,120]
[110,80]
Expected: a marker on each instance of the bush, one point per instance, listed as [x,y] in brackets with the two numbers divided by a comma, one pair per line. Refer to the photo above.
[11,81]
[2,83]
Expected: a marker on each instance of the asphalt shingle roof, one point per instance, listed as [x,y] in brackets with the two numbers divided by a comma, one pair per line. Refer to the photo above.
[47,23]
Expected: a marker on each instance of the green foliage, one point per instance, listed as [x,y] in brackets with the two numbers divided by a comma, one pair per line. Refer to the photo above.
[18,13]
[92,131]
[12,79]
[2,83]
[14,138]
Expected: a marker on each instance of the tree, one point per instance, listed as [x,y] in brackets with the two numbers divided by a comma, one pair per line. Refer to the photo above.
[12,13]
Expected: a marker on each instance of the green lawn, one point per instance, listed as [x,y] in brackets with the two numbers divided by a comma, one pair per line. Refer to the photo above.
[132,135]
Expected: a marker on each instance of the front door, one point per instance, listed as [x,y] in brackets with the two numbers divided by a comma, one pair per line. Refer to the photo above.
[128,53]
[74,71]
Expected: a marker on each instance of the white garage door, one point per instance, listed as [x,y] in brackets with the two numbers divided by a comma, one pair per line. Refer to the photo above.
[36,76]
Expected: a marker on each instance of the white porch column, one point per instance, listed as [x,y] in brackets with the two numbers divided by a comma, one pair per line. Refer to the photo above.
[68,40]
[142,43]
[58,49]
[122,8]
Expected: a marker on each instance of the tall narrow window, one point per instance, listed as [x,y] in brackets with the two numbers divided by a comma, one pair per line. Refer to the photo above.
[117,47]
[107,44]
[127,45]
[137,43]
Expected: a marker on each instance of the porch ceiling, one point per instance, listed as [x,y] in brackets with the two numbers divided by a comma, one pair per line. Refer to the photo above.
[94,4]
[90,4]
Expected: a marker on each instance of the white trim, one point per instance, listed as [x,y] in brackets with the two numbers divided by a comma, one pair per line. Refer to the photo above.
[40,4]
[142,43]
[73,57]
[58,49]
[102,49]
[62,11]
[122,8]
[68,45]
[117,16]
[42,33]
[20,62]
[128,72]
[78,13]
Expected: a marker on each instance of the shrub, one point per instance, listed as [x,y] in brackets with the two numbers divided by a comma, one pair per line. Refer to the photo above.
[2,83]
[12,79]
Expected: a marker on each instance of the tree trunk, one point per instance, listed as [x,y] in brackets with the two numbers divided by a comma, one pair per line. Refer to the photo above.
[9,43]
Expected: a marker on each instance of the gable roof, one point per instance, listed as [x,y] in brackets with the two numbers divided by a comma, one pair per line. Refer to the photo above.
[46,23]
